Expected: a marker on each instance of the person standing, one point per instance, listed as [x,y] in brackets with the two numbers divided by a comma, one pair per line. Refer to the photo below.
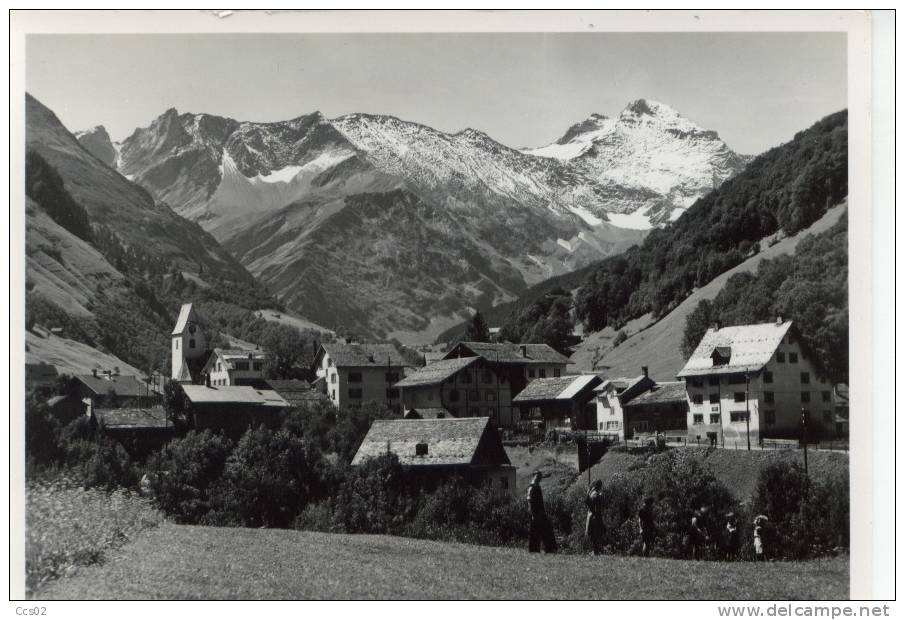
[646,525]
[760,522]
[733,541]
[593,527]
[540,530]
[698,534]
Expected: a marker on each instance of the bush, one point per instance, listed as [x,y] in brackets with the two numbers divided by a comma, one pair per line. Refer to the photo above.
[182,474]
[109,467]
[268,479]
[372,500]
[806,518]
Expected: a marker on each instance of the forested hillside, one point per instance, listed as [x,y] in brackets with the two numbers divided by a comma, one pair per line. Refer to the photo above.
[777,194]
[809,287]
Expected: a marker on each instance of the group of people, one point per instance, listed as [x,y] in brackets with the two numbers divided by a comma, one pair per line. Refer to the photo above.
[701,534]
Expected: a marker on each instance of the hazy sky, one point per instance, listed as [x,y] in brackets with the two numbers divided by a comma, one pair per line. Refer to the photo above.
[756,90]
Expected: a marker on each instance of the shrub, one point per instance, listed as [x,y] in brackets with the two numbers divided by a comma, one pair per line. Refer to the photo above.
[109,467]
[806,518]
[268,480]
[372,499]
[182,473]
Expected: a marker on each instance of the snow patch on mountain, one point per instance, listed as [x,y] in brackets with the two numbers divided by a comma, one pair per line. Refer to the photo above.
[634,221]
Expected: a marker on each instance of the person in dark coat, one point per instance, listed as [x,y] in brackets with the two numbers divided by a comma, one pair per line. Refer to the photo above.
[732,537]
[593,527]
[541,530]
[646,525]
[698,534]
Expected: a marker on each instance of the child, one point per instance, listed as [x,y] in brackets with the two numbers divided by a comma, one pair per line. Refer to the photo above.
[760,522]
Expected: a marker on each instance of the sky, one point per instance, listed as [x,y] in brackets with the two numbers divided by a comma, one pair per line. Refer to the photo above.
[524,90]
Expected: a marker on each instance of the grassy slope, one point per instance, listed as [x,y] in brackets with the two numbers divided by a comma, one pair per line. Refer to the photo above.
[659,346]
[70,356]
[190,562]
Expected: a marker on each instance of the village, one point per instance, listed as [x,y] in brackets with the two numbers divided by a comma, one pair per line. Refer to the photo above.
[746,387]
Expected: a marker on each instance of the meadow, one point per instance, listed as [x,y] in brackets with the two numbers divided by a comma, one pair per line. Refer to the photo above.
[68,526]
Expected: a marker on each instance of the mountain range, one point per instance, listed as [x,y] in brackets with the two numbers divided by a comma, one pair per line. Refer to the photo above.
[388,228]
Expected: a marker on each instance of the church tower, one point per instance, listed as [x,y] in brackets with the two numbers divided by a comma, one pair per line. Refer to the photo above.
[187,344]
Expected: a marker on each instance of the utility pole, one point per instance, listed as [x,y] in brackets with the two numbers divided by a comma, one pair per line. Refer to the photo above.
[804,437]
[747,410]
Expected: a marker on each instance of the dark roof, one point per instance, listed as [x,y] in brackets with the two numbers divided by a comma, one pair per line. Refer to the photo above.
[290,385]
[437,372]
[556,388]
[544,354]
[509,353]
[363,355]
[427,413]
[123,385]
[450,441]
[669,392]
[133,418]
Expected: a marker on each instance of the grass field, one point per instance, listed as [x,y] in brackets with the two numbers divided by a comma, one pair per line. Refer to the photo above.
[190,562]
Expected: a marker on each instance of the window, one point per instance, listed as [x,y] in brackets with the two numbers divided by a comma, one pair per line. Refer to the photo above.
[542,373]
[736,379]
[333,378]
[793,358]
[739,397]
[713,380]
[770,417]
[805,397]
[192,343]
[805,377]
[612,425]
[697,399]
[489,395]
[699,418]
[768,376]
[696,382]
[454,396]
[531,373]
[600,426]
[780,357]
[243,365]
[714,418]
[825,396]
[354,392]
[354,377]
[392,377]
[192,329]
[504,483]
[738,416]
[333,394]
[714,399]
[827,415]
[641,425]
[768,397]
[466,378]
[556,372]
[330,363]
[491,413]
[177,344]
[475,412]
[474,395]
[392,393]
[256,365]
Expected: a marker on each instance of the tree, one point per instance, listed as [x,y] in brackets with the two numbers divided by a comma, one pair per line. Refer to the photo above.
[477,330]
[285,346]
[174,401]
[696,325]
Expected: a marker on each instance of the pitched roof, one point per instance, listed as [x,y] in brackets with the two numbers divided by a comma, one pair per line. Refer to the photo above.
[427,413]
[363,355]
[437,372]
[123,385]
[289,385]
[556,388]
[668,392]
[750,348]
[507,352]
[295,391]
[544,354]
[184,313]
[233,394]
[450,441]
[133,418]
[240,354]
